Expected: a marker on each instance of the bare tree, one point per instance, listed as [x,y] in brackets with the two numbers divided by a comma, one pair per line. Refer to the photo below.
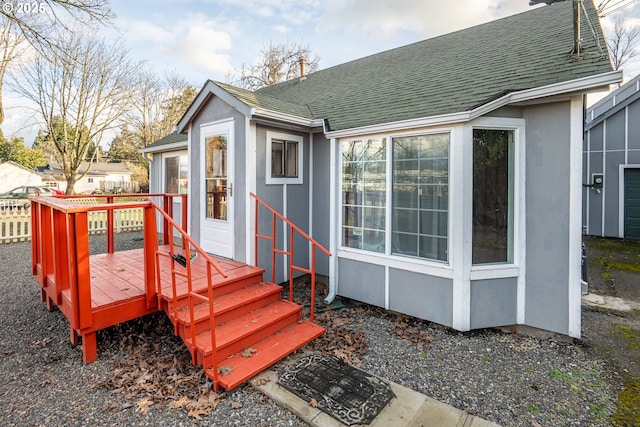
[31,23]
[622,43]
[158,100]
[87,88]
[277,63]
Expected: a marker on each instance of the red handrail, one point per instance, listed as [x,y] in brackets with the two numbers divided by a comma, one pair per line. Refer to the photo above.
[187,244]
[288,253]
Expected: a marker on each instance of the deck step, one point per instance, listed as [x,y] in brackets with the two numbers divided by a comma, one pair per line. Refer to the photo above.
[267,351]
[244,331]
[228,307]
[238,278]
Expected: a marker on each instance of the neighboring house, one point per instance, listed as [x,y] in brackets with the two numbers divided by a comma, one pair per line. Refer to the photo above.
[14,175]
[611,195]
[103,177]
[444,176]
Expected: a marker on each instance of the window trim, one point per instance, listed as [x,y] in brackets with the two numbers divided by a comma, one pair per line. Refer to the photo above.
[435,267]
[163,158]
[269,180]
[518,128]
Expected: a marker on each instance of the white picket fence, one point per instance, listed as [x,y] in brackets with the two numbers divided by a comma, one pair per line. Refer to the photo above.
[15,224]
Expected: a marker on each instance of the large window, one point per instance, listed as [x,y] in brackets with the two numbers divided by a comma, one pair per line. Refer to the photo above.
[176,174]
[416,195]
[493,163]
[364,194]
[420,196]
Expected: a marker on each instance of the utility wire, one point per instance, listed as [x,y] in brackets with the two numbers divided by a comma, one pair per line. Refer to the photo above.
[606,8]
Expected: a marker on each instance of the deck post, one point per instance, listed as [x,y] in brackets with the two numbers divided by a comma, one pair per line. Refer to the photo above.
[73,336]
[150,247]
[166,206]
[185,219]
[110,243]
[80,258]
[61,267]
[89,347]
[35,237]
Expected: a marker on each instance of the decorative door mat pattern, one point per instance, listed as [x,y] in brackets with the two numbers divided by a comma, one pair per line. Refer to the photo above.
[342,391]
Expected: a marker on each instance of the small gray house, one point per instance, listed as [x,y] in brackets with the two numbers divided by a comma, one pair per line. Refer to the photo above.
[445,176]
[611,159]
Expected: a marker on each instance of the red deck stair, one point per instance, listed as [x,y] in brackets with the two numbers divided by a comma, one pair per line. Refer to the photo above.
[251,319]
[233,322]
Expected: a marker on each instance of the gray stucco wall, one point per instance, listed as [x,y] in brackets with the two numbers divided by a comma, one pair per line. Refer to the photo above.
[155,173]
[216,110]
[420,295]
[493,302]
[297,205]
[321,198]
[547,219]
[361,281]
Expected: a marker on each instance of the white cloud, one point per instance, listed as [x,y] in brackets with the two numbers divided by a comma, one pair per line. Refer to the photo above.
[198,41]
[381,18]
[21,117]
[141,30]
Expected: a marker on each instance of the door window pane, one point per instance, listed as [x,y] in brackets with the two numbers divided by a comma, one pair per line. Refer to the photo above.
[216,176]
[420,196]
[492,196]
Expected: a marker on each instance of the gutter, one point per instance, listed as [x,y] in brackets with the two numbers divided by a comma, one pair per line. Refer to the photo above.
[578,85]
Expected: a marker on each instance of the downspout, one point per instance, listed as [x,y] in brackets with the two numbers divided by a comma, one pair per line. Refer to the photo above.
[333,288]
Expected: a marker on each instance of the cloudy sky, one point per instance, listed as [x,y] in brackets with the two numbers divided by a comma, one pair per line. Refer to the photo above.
[212,39]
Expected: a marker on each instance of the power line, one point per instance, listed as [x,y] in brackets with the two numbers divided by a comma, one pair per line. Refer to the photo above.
[607,7]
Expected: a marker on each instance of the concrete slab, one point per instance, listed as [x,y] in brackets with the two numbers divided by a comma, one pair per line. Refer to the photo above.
[409,408]
[610,303]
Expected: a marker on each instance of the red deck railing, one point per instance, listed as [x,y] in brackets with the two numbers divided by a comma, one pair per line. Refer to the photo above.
[61,256]
[289,253]
[188,243]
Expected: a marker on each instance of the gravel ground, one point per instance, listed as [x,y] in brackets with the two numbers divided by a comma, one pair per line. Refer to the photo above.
[143,374]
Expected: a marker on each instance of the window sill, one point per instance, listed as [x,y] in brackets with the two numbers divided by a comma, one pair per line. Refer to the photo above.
[494,271]
[416,265]
[280,181]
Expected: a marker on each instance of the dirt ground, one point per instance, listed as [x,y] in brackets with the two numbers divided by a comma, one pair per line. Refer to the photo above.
[613,269]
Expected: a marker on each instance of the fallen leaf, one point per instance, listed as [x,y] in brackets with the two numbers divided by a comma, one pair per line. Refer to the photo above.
[181,403]
[195,413]
[225,370]
[534,423]
[236,405]
[248,352]
[261,381]
[144,405]
[313,403]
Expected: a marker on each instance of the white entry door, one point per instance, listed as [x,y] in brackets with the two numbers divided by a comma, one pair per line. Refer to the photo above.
[216,214]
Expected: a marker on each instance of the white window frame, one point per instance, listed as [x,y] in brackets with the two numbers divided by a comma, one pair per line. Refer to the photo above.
[168,155]
[514,268]
[286,137]
[415,264]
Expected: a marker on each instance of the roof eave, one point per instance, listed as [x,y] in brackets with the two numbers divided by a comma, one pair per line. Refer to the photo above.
[582,85]
[210,88]
[165,147]
[284,117]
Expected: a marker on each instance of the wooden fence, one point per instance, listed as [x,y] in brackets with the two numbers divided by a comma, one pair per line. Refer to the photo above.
[15,224]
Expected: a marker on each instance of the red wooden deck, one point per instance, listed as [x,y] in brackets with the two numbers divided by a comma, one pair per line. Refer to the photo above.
[219,307]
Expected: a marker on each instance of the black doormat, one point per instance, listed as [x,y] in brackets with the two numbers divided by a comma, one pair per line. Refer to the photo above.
[342,391]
